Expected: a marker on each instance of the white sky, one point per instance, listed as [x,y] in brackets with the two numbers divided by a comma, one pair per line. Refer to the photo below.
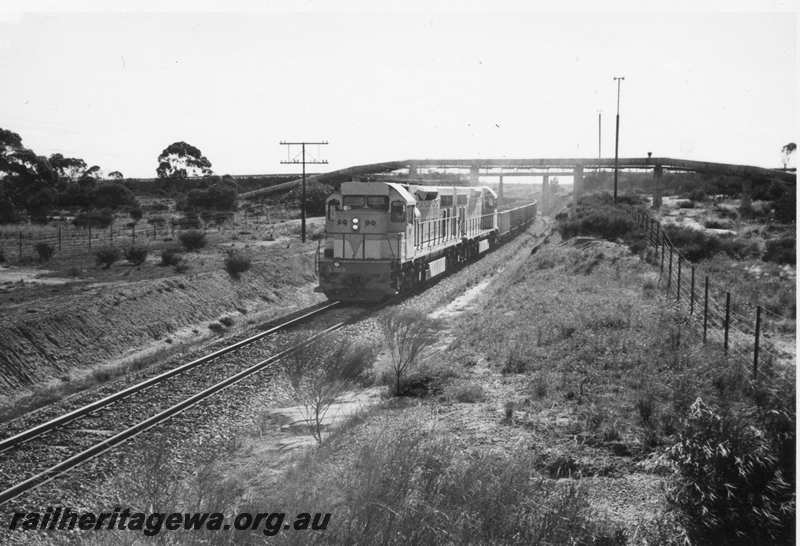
[116,88]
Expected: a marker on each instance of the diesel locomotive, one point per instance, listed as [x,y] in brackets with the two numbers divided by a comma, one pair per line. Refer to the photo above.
[385,238]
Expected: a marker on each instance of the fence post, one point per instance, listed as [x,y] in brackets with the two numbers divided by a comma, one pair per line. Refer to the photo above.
[755,345]
[678,291]
[669,275]
[705,313]
[691,296]
[727,317]
[662,258]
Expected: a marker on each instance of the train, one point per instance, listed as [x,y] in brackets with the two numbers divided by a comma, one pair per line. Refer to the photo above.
[387,238]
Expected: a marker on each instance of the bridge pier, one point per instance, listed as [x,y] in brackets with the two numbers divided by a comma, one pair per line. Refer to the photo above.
[658,171]
[412,170]
[473,175]
[577,183]
[545,204]
[500,188]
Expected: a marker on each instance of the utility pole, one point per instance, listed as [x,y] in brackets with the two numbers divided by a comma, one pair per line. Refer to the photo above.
[616,139]
[294,161]
[599,134]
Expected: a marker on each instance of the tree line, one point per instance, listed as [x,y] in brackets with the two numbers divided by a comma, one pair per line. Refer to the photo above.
[33,186]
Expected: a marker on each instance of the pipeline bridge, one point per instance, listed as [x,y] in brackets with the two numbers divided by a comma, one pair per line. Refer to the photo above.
[545,168]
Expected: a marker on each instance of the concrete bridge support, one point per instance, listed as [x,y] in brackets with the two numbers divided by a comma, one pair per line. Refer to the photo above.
[658,171]
[577,183]
[473,175]
[412,170]
[500,188]
[545,204]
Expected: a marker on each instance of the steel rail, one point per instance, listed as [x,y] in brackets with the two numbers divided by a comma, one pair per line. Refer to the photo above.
[101,447]
[17,439]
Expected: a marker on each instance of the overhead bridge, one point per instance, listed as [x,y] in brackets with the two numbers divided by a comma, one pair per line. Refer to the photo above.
[546,167]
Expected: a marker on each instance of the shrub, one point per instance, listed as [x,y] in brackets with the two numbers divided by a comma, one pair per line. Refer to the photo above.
[685,204]
[718,224]
[112,196]
[736,481]
[781,251]
[45,251]
[136,255]
[318,376]
[227,321]
[596,215]
[516,361]
[407,485]
[181,266]
[470,393]
[407,334]
[218,197]
[192,240]
[170,256]
[107,256]
[645,406]
[2,256]
[190,221]
[696,245]
[94,218]
[236,263]
[698,195]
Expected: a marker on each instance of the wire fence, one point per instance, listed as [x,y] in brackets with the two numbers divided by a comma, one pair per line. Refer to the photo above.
[750,334]
[24,244]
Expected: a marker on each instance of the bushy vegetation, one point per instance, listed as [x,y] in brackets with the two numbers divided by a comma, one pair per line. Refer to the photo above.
[407,485]
[193,240]
[94,218]
[407,334]
[170,257]
[781,251]
[737,477]
[697,245]
[217,197]
[469,393]
[44,251]
[236,263]
[136,255]
[597,215]
[106,256]
[318,375]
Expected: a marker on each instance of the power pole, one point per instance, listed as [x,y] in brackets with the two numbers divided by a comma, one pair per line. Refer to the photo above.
[599,134]
[616,143]
[303,161]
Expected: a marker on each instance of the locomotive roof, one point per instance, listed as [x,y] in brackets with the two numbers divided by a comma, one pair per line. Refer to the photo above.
[406,191]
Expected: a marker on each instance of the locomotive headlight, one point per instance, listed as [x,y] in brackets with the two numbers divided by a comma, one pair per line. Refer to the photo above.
[336,264]
[355,224]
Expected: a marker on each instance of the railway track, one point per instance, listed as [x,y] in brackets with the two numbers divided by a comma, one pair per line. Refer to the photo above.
[37,454]
[33,456]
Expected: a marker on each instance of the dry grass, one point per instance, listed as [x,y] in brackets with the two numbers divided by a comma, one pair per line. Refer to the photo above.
[403,483]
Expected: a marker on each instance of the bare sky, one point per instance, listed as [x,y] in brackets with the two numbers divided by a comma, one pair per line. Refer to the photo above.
[116,88]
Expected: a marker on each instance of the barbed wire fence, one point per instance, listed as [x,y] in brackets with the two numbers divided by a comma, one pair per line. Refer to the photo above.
[749,335]
[19,244]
